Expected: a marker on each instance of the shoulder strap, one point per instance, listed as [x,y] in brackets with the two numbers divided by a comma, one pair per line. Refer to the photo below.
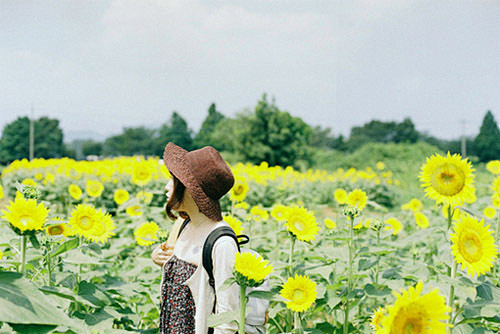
[209,245]
[207,255]
[183,226]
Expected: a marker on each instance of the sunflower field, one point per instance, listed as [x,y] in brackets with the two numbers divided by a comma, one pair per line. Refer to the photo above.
[345,251]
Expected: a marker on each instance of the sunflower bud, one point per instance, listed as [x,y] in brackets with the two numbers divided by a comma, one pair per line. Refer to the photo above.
[377,224]
[350,212]
[30,192]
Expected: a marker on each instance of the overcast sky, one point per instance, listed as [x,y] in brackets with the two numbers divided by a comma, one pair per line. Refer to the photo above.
[101,65]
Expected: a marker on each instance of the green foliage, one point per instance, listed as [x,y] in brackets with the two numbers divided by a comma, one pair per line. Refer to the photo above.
[383,132]
[132,141]
[48,139]
[176,131]
[487,142]
[90,147]
[208,129]
[275,136]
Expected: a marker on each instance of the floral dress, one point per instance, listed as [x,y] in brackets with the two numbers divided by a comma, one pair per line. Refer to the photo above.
[177,304]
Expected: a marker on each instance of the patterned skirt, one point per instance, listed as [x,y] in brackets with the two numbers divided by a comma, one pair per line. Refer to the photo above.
[177,304]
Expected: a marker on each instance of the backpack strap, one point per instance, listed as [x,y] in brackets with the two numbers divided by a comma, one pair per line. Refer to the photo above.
[207,255]
[183,226]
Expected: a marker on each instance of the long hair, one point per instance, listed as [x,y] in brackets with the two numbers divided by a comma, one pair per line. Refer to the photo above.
[176,199]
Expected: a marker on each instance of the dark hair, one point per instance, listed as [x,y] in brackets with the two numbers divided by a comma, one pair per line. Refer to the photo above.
[176,199]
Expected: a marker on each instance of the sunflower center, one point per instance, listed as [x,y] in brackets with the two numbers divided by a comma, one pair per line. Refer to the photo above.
[298,296]
[448,179]
[408,321]
[26,220]
[238,189]
[299,225]
[86,223]
[55,230]
[470,246]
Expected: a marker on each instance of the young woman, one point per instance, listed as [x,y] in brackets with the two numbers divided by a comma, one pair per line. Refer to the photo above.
[199,179]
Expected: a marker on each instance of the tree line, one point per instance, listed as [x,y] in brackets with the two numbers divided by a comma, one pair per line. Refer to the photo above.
[264,133]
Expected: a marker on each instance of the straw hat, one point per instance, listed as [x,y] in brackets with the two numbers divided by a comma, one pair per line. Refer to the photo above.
[205,174]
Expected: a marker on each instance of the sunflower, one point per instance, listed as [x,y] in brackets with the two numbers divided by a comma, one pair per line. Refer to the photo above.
[146,234]
[242,205]
[300,293]
[259,213]
[120,196]
[421,220]
[103,227]
[75,191]
[376,317]
[495,200]
[357,198]
[301,223]
[29,182]
[235,224]
[330,224]
[448,180]
[380,165]
[413,205]
[134,210]
[57,229]
[144,196]
[340,196]
[394,224]
[82,220]
[1,192]
[493,167]
[279,211]
[414,313]
[496,185]
[473,246]
[239,190]
[94,188]
[141,174]
[251,269]
[489,212]
[26,215]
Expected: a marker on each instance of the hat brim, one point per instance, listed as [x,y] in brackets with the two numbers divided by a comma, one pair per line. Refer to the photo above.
[174,160]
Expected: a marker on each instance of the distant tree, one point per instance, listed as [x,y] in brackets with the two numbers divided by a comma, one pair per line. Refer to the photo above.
[205,136]
[175,130]
[383,132]
[48,139]
[275,136]
[91,147]
[229,133]
[322,138]
[487,142]
[133,141]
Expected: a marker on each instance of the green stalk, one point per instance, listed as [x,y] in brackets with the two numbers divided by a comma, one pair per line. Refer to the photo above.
[498,242]
[349,277]
[23,254]
[49,267]
[378,258]
[243,304]
[450,218]
[297,323]
[452,296]
[290,258]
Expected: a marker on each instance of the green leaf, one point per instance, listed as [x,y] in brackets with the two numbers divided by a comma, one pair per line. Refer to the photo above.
[34,241]
[268,295]
[373,291]
[223,318]
[22,303]
[66,246]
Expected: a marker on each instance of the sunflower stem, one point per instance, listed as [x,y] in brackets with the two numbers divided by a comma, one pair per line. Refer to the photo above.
[498,242]
[450,218]
[297,323]
[243,304]
[290,258]
[49,266]
[349,276]
[451,297]
[378,258]
[23,254]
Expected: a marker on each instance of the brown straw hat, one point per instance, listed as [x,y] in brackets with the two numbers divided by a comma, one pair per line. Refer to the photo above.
[205,174]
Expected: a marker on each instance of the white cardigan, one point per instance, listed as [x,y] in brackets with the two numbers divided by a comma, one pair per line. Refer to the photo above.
[189,247]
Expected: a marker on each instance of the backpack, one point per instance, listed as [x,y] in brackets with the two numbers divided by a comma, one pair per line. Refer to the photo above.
[257,317]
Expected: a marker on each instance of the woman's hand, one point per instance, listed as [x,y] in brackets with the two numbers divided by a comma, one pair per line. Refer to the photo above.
[161,253]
